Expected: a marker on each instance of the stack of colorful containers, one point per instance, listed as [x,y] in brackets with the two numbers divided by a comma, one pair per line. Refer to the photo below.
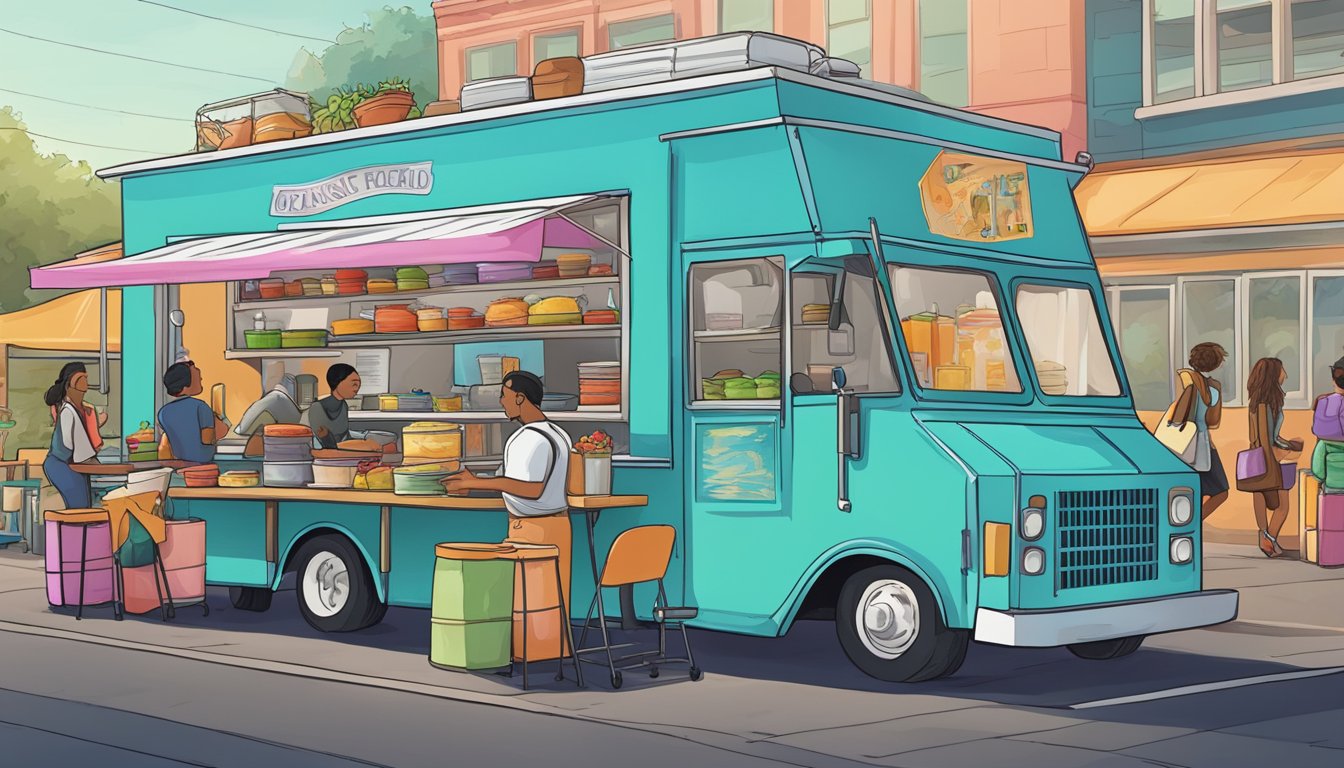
[287,460]
[600,383]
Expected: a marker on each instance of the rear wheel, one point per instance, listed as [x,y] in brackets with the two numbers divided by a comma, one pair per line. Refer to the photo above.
[1101,650]
[250,598]
[336,591]
[890,627]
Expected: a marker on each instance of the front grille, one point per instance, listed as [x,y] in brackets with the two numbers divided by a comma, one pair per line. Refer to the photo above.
[1107,537]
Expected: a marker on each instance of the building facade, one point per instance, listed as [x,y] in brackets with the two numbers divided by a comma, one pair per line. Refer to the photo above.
[1216,208]
[1021,60]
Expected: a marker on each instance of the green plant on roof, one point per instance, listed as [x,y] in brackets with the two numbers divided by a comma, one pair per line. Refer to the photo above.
[338,112]
[395,84]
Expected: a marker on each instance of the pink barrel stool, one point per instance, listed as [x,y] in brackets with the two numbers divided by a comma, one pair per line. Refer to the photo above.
[79,560]
[177,580]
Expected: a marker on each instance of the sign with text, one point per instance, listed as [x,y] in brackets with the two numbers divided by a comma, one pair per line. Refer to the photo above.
[334,191]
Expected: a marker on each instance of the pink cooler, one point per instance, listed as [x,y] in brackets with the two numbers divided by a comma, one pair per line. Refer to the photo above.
[63,564]
[183,554]
[1330,530]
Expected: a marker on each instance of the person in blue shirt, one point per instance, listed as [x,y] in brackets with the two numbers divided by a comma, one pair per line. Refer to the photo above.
[192,428]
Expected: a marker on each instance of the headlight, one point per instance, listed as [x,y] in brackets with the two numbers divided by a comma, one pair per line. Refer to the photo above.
[1033,524]
[1033,561]
[1182,549]
[1181,510]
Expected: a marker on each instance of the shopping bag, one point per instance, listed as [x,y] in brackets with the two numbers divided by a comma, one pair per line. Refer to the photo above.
[1250,464]
[1289,470]
[1178,433]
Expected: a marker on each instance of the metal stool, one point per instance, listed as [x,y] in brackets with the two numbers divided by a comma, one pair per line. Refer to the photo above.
[522,555]
[84,519]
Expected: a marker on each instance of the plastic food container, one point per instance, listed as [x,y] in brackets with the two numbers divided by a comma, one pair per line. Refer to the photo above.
[432,326]
[546,271]
[271,288]
[558,310]
[303,338]
[240,478]
[272,116]
[387,402]
[601,317]
[394,318]
[287,474]
[201,476]
[351,326]
[330,286]
[432,440]
[500,273]
[574,264]
[381,285]
[559,401]
[460,274]
[422,479]
[450,404]
[335,473]
[262,339]
[503,313]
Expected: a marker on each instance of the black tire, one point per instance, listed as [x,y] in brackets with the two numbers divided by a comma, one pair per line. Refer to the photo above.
[256,599]
[616,679]
[653,672]
[361,608]
[696,674]
[935,651]
[1103,650]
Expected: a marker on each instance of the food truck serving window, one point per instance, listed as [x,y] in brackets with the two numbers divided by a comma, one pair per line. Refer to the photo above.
[838,322]
[1064,337]
[953,330]
[736,311]
[981,199]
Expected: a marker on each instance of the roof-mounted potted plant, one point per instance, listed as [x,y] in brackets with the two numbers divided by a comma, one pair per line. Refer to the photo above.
[392,102]
[338,113]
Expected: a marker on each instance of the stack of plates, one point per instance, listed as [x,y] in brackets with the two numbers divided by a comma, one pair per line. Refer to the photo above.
[600,383]
[623,68]
[415,402]
[423,479]
[1053,376]
[816,314]
[289,444]
[350,282]
[497,92]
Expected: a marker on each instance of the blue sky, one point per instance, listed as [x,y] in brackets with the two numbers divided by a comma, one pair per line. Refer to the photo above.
[150,31]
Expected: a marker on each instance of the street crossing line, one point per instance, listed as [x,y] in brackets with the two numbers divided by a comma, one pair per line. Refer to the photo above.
[1222,685]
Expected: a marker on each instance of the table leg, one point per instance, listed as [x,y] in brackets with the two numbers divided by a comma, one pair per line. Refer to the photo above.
[591,516]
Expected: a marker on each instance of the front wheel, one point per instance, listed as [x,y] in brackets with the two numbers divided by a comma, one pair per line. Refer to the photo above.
[336,591]
[890,627]
[1101,650]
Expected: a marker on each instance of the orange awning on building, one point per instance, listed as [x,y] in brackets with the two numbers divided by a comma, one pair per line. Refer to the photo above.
[1300,188]
[66,324]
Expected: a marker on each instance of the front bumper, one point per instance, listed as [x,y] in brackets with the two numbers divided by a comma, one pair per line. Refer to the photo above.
[1049,628]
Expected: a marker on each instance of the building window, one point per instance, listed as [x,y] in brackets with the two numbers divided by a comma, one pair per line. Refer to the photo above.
[654,29]
[849,32]
[1203,47]
[746,15]
[942,51]
[1143,323]
[1274,326]
[492,61]
[555,45]
[1327,331]
[1209,314]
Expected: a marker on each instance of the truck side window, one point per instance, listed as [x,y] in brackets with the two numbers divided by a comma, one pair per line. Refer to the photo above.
[953,330]
[1064,337]
[858,342]
[736,314]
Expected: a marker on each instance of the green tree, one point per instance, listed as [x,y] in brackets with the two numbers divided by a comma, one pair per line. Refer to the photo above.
[51,207]
[396,42]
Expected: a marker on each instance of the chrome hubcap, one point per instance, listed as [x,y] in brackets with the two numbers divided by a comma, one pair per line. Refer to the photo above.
[888,618]
[326,584]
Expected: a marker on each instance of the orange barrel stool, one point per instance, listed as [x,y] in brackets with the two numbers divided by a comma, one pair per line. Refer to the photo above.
[541,628]
[79,564]
[177,579]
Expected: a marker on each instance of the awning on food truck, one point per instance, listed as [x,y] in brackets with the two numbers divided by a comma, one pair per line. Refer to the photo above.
[505,232]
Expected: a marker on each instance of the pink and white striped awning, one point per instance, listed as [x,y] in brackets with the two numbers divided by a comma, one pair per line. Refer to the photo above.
[507,232]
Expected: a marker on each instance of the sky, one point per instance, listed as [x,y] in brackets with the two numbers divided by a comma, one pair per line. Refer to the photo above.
[148,30]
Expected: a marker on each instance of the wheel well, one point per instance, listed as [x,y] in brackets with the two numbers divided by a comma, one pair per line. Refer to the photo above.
[307,537]
[825,592]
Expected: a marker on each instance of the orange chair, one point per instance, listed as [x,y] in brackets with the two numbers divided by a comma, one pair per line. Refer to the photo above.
[540,614]
[641,555]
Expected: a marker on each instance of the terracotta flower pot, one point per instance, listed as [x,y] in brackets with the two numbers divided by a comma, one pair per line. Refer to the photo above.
[390,107]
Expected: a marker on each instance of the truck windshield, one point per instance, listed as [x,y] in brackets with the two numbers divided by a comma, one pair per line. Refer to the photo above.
[953,330]
[1064,337]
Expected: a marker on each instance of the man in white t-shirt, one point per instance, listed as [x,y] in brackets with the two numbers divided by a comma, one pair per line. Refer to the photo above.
[536,457]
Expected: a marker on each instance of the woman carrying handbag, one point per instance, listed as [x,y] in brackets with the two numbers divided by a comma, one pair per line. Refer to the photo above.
[1268,468]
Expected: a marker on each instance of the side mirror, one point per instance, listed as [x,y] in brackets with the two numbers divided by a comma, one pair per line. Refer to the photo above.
[837,379]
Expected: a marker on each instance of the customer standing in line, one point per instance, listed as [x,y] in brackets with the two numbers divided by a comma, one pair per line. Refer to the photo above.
[191,427]
[1265,396]
[1206,410]
[70,442]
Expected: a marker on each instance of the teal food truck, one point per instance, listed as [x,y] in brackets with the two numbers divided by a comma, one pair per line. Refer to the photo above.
[860,358]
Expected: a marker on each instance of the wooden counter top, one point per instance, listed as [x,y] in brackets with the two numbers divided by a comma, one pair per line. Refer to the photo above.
[389,499]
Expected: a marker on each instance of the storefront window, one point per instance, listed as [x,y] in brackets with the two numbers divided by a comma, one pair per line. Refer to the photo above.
[746,15]
[554,45]
[30,373]
[492,61]
[1245,44]
[849,32]
[981,199]
[735,325]
[1209,314]
[1064,337]
[655,29]
[1327,331]
[953,330]
[1318,37]
[858,343]
[1173,50]
[1143,317]
[1275,328]
[942,51]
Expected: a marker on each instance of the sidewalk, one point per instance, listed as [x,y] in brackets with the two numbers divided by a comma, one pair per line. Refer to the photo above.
[794,699]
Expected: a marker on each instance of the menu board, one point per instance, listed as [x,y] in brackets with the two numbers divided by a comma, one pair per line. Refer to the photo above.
[981,199]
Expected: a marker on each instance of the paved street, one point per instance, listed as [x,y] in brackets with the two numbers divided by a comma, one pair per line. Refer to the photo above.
[264,689]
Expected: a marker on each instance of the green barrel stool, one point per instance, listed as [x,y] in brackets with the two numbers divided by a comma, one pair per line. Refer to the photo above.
[471,612]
